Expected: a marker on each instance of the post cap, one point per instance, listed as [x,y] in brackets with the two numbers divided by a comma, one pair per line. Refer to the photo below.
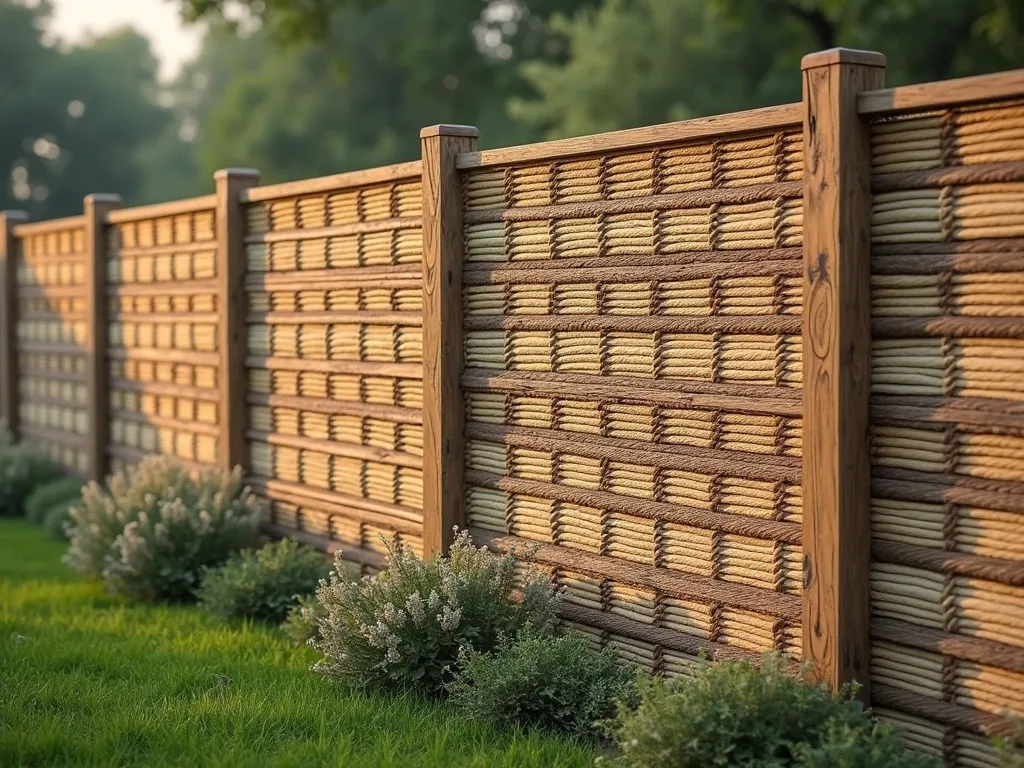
[236,173]
[842,56]
[102,197]
[467,131]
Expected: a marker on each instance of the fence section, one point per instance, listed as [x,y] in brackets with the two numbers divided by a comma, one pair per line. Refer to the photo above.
[632,384]
[335,358]
[50,347]
[162,332]
[947,385]
[627,355]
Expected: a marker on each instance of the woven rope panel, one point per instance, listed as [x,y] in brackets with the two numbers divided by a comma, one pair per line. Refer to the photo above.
[51,336]
[947,582]
[632,378]
[162,338]
[335,365]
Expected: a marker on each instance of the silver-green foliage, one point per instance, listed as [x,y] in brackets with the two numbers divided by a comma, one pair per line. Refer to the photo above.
[404,628]
[734,713]
[547,682]
[23,469]
[262,585]
[151,531]
[302,624]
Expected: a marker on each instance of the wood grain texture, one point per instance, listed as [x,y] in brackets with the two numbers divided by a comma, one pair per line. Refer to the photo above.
[172,208]
[667,202]
[443,496]
[231,307]
[393,516]
[687,586]
[333,183]
[9,317]
[717,127]
[966,90]
[50,225]
[836,360]
[673,393]
[97,208]
[994,569]
[940,711]
[354,554]
[740,525]
[685,458]
[976,649]
[770,325]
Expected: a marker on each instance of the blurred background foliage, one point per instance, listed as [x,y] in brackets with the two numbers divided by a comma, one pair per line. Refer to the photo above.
[300,88]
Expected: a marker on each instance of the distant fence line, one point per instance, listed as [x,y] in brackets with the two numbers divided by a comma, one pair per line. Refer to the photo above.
[748,383]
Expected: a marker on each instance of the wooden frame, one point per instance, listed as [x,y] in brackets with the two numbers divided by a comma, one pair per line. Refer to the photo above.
[9,317]
[97,208]
[837,364]
[231,311]
[442,333]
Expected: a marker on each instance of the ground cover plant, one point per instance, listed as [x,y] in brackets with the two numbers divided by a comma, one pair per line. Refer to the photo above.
[265,584]
[153,529]
[92,679]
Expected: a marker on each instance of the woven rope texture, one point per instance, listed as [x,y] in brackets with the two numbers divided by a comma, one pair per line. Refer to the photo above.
[51,336]
[632,379]
[162,338]
[335,365]
[947,381]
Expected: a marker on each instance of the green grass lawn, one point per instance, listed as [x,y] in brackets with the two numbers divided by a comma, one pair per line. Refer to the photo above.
[90,680]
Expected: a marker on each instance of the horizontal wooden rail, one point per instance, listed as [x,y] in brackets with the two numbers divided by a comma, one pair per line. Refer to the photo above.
[337,183]
[706,128]
[966,90]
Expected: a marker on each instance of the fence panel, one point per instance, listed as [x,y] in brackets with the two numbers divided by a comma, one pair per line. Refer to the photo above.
[51,354]
[632,379]
[162,332]
[335,358]
[947,384]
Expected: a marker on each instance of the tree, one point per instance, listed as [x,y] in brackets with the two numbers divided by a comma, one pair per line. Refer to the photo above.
[637,62]
[72,120]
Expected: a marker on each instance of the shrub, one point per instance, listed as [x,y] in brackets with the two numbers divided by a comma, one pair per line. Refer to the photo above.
[403,628]
[1010,746]
[302,624]
[22,470]
[154,529]
[59,492]
[542,681]
[57,518]
[861,745]
[262,585]
[735,714]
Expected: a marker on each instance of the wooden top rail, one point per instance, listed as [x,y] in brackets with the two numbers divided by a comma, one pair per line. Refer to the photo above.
[349,180]
[51,225]
[171,208]
[718,126]
[965,90]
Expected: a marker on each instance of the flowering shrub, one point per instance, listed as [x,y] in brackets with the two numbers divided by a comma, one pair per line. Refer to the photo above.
[735,714]
[547,682]
[403,628]
[262,585]
[302,624]
[22,470]
[153,530]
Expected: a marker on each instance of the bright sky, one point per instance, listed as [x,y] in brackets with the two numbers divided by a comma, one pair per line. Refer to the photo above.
[173,42]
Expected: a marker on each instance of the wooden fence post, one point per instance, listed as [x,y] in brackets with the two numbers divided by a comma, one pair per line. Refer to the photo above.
[231,309]
[96,208]
[837,364]
[9,318]
[443,493]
